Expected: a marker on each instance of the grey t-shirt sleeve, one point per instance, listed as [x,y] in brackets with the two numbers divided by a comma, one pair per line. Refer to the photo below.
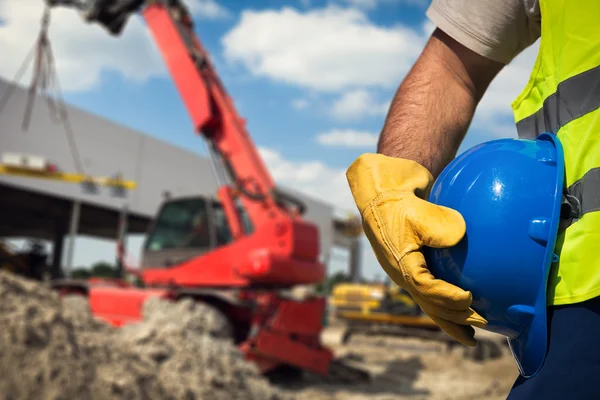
[496,29]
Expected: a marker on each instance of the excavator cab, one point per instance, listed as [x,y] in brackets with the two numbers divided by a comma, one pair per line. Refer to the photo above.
[185,228]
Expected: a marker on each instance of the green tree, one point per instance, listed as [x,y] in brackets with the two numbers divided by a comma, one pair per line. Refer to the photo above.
[104,270]
[80,273]
[324,288]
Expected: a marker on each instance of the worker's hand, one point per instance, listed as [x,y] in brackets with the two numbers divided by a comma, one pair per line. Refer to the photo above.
[390,193]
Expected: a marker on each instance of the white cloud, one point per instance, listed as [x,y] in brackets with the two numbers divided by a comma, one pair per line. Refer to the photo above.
[84,51]
[495,110]
[348,138]
[209,9]
[313,178]
[81,51]
[327,184]
[358,103]
[372,4]
[300,104]
[508,84]
[327,49]
[428,27]
[340,50]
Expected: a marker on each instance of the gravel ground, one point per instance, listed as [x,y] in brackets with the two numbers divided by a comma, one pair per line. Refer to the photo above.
[411,368]
[53,348]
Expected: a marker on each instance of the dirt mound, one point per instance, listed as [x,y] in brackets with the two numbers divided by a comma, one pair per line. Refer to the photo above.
[55,349]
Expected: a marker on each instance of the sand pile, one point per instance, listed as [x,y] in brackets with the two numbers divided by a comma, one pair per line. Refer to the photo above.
[55,349]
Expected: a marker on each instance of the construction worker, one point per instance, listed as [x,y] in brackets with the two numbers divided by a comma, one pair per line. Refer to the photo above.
[424,128]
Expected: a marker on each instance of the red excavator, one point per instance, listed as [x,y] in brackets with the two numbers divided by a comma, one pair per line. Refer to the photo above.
[239,254]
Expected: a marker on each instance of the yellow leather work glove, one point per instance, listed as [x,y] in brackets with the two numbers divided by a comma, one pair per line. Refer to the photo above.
[390,194]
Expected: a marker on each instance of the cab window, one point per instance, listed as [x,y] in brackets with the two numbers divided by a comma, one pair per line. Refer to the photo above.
[180,224]
[223,233]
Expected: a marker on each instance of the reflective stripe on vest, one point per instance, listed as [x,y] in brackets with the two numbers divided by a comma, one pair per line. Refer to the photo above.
[563,97]
[580,198]
[573,98]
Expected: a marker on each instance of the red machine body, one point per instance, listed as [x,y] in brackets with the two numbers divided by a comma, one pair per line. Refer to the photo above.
[284,249]
[244,278]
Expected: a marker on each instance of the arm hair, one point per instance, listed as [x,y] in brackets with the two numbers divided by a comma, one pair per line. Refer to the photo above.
[433,107]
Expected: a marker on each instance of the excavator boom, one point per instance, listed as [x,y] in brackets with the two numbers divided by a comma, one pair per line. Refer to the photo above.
[242,279]
[283,249]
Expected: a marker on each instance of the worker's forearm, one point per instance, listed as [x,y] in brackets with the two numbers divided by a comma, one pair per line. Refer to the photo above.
[433,107]
[429,117]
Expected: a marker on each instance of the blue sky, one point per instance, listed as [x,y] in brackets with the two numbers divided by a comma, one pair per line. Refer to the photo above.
[155,108]
[312,78]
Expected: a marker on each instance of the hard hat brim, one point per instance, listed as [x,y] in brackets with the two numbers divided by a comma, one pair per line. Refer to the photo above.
[529,348]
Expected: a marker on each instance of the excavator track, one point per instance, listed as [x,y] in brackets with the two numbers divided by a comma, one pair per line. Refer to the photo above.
[378,323]
[342,372]
[378,329]
[487,348]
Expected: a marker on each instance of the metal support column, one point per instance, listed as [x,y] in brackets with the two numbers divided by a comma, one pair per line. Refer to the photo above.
[122,241]
[73,229]
[58,245]
[355,260]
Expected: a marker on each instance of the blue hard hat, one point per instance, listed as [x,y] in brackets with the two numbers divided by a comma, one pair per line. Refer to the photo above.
[509,191]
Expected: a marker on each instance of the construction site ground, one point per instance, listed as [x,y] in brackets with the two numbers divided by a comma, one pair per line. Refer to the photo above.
[53,348]
[412,368]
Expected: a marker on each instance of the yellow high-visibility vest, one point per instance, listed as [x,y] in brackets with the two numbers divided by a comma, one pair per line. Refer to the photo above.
[563,97]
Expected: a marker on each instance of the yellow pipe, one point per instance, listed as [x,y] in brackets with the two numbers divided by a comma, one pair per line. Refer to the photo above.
[66,177]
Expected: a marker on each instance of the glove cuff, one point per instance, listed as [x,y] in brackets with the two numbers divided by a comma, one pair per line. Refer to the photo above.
[371,174]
